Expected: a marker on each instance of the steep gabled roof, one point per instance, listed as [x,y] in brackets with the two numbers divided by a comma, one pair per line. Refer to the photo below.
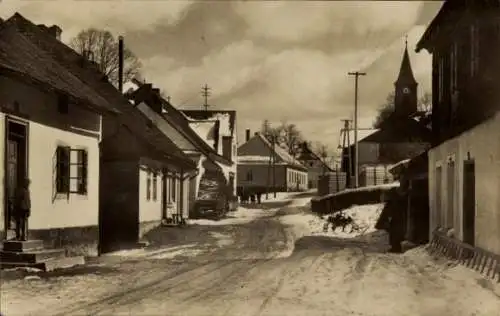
[21,58]
[145,93]
[280,153]
[87,73]
[308,155]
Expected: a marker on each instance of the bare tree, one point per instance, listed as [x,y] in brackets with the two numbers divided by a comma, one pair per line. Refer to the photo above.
[286,134]
[101,47]
[424,104]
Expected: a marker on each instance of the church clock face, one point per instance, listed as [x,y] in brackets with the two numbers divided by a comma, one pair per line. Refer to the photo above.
[406,90]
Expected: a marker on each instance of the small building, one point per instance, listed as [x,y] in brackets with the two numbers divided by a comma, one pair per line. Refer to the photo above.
[50,125]
[316,167]
[464,162]
[210,188]
[401,136]
[218,129]
[264,167]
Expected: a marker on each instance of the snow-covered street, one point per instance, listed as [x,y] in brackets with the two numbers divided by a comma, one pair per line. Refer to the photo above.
[270,261]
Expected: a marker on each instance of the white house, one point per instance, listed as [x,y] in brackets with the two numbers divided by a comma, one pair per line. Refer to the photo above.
[50,128]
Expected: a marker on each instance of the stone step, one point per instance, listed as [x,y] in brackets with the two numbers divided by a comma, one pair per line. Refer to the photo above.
[47,265]
[22,246]
[32,256]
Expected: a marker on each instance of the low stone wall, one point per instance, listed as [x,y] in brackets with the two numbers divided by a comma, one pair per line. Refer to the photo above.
[77,241]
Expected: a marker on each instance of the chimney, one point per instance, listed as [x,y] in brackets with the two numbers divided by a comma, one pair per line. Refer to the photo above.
[247,135]
[120,64]
[55,31]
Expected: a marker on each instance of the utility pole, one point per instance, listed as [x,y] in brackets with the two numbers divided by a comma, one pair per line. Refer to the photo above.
[356,149]
[205,92]
[346,144]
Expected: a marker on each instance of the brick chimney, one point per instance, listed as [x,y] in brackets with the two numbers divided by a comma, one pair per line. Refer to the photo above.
[247,135]
[55,31]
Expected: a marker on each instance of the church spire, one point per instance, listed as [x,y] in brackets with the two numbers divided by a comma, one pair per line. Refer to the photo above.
[406,76]
[405,101]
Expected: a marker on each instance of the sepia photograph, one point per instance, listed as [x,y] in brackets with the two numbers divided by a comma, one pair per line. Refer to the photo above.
[249,158]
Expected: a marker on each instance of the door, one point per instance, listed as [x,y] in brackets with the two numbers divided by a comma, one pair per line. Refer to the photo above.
[164,193]
[16,168]
[450,191]
[469,202]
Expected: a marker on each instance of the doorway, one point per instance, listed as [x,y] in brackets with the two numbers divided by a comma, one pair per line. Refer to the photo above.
[164,192]
[16,168]
[469,202]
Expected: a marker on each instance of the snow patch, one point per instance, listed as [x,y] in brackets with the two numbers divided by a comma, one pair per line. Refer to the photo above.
[162,253]
[222,239]
[308,224]
[386,186]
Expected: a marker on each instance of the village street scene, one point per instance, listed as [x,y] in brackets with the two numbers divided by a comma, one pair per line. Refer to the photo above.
[254,158]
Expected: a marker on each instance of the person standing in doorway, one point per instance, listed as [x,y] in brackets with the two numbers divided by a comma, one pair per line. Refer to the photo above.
[22,209]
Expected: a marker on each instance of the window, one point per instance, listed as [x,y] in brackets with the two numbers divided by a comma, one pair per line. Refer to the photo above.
[81,171]
[438,212]
[249,176]
[63,155]
[440,77]
[155,187]
[71,162]
[474,49]
[454,67]
[148,186]
[173,188]
[63,104]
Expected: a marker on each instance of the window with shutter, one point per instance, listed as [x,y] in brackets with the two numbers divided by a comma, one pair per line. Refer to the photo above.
[155,187]
[63,154]
[148,186]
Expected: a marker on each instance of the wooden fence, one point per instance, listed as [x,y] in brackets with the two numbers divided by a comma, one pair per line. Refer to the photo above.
[485,262]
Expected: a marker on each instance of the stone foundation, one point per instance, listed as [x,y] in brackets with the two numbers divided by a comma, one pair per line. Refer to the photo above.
[77,241]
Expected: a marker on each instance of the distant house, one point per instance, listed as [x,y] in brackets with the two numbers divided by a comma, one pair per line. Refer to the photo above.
[50,123]
[218,129]
[258,173]
[314,164]
[210,188]
[400,137]
[464,169]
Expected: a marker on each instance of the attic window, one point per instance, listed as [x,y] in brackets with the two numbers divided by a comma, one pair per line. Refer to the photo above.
[62,104]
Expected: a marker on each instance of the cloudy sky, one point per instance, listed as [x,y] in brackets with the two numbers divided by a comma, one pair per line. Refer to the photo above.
[278,60]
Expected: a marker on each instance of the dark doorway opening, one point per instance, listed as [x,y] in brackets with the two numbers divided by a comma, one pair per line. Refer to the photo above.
[469,202]
[16,168]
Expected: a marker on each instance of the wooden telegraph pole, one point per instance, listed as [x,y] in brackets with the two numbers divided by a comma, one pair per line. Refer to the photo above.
[356,75]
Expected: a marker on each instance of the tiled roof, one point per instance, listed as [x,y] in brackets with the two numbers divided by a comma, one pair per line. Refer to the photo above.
[20,57]
[86,72]
[281,153]
[176,118]
[308,155]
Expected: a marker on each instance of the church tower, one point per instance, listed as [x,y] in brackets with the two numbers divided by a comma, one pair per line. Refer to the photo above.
[405,100]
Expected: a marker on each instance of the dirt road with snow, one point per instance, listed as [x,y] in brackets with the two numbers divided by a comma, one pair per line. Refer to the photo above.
[263,266]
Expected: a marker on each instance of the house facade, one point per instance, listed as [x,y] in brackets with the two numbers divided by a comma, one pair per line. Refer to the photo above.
[464,162]
[50,125]
[263,167]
